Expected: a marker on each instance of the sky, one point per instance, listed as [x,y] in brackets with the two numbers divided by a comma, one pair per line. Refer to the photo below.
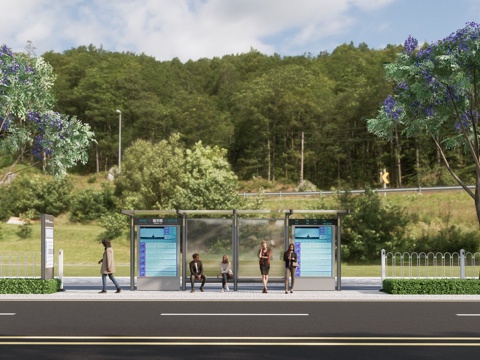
[194,29]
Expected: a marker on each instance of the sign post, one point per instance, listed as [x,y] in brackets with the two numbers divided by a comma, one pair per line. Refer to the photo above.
[47,247]
[385,180]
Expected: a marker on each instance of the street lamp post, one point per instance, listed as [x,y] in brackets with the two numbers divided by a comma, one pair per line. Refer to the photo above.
[119,141]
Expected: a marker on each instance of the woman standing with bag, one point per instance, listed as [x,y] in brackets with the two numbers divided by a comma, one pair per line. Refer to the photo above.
[264,260]
[226,272]
[290,258]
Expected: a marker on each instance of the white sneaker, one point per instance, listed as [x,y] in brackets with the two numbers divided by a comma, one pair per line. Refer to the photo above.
[228,288]
[222,289]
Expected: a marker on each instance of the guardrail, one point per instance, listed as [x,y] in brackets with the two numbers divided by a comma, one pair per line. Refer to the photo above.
[20,264]
[380,190]
[430,265]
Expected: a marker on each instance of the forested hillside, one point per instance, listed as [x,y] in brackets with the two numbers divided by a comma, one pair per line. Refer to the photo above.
[253,105]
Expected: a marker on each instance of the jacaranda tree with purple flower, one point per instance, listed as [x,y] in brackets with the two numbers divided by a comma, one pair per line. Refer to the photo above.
[437,94]
[27,122]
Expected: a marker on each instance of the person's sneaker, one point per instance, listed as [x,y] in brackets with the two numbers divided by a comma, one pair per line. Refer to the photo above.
[201,289]
[223,289]
[193,290]
[102,292]
[228,289]
[118,291]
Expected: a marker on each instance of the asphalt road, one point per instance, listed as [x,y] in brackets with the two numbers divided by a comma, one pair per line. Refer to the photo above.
[238,329]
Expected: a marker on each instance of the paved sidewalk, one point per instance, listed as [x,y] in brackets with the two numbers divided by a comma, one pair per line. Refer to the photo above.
[353,289]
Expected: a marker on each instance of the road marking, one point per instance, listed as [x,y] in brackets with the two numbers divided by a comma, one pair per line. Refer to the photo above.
[7,314]
[227,314]
[468,314]
[181,343]
[240,341]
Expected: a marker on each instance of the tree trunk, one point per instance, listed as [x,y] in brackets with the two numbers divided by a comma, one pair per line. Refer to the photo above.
[398,159]
[268,161]
[97,159]
[477,198]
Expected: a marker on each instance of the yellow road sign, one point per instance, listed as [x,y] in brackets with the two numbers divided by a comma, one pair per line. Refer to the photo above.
[385,177]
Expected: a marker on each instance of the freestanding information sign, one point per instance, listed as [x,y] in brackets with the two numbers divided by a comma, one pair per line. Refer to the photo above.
[158,254]
[47,247]
[314,242]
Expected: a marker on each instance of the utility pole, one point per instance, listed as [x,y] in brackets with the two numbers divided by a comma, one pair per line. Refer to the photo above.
[301,161]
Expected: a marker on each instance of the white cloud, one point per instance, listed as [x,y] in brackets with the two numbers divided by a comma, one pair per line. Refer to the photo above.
[187,29]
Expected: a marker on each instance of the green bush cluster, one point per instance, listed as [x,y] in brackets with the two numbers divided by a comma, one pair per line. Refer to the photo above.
[42,195]
[449,239]
[371,226]
[424,286]
[114,224]
[29,286]
[90,204]
[35,195]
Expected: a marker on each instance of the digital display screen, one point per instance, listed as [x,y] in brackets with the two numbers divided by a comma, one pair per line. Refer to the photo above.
[158,251]
[314,248]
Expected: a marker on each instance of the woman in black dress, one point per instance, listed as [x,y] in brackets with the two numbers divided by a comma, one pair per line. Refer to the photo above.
[264,260]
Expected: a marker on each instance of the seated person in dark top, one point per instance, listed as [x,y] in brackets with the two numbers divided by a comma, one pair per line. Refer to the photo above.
[196,272]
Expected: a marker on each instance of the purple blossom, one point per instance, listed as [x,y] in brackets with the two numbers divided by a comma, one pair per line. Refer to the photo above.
[391,109]
[410,45]
[4,123]
[47,123]
[466,120]
[429,111]
[13,70]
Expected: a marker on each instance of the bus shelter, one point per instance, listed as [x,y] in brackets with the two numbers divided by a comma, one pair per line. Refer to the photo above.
[162,242]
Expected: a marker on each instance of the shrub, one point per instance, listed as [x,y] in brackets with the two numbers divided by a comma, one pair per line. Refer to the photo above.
[89,204]
[44,195]
[449,239]
[431,286]
[25,230]
[29,286]
[114,224]
[371,226]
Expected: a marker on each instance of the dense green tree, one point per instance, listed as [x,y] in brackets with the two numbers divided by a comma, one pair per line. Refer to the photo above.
[273,110]
[210,182]
[437,95]
[152,173]
[165,175]
[371,226]
[27,122]
[40,194]
[359,86]
[255,106]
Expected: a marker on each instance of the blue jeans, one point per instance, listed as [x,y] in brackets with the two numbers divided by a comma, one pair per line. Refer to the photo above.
[104,281]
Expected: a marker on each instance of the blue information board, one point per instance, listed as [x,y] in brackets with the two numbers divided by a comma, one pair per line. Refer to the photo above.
[315,252]
[158,254]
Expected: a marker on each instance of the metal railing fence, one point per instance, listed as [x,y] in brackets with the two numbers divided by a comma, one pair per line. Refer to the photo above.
[418,190]
[20,264]
[459,264]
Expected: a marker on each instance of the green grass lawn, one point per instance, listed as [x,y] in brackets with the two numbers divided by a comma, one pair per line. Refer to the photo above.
[82,247]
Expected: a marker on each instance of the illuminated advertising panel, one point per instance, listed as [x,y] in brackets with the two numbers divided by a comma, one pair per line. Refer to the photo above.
[158,255]
[314,248]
